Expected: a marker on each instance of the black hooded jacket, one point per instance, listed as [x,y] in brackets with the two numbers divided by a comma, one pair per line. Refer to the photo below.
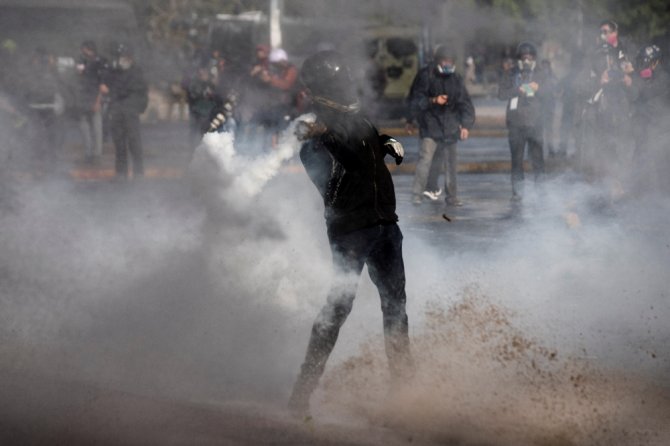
[525,110]
[440,122]
[346,164]
[128,91]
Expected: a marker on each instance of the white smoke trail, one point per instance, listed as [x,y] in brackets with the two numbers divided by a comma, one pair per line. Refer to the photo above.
[240,177]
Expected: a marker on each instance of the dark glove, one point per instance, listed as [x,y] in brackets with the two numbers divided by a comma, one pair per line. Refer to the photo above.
[395,149]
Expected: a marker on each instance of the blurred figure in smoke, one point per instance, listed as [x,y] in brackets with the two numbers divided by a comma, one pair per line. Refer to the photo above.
[606,136]
[344,157]
[128,95]
[202,100]
[279,102]
[44,100]
[254,95]
[525,88]
[91,69]
[650,97]
[568,96]
[549,108]
[445,114]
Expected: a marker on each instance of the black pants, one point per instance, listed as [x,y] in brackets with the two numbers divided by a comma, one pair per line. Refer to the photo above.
[380,248]
[126,136]
[519,137]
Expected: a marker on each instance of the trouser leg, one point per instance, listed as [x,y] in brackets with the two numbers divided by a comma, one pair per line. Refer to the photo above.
[96,120]
[86,133]
[387,271]
[426,153]
[436,168]
[536,152]
[517,145]
[348,257]
[119,138]
[135,143]
[451,169]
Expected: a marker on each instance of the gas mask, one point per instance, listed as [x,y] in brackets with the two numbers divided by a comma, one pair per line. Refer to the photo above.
[446,68]
[526,64]
[609,38]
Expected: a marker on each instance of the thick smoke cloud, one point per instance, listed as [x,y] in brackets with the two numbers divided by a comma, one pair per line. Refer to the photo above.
[204,290]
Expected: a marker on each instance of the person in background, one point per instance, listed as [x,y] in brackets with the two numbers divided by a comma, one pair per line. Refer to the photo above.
[549,108]
[91,69]
[525,88]
[128,98]
[650,98]
[45,103]
[445,114]
[606,128]
[280,93]
[202,100]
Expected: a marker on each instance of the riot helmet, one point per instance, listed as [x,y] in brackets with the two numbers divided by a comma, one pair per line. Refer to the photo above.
[329,80]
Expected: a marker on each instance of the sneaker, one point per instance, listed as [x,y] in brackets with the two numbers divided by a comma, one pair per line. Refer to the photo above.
[432,195]
[417,200]
[454,202]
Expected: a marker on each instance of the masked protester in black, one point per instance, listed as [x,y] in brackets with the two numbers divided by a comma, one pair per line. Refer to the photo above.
[344,157]
[128,99]
[650,100]
[525,88]
[605,134]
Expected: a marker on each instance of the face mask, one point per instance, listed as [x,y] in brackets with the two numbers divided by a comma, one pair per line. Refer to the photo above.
[611,39]
[526,65]
[446,69]
[646,73]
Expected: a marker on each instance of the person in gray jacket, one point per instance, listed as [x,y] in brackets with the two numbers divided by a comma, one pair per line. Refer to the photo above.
[444,111]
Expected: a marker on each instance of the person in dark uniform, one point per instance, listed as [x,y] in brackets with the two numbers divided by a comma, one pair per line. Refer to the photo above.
[343,155]
[525,88]
[127,90]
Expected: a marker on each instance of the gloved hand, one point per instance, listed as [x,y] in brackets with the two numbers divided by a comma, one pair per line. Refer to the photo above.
[217,122]
[395,149]
[306,130]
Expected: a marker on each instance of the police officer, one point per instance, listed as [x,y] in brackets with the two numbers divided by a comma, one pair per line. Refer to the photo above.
[343,155]
[128,99]
[525,88]
[650,99]
[442,106]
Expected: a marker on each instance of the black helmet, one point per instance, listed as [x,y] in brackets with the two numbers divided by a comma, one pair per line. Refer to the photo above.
[647,56]
[525,48]
[329,80]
